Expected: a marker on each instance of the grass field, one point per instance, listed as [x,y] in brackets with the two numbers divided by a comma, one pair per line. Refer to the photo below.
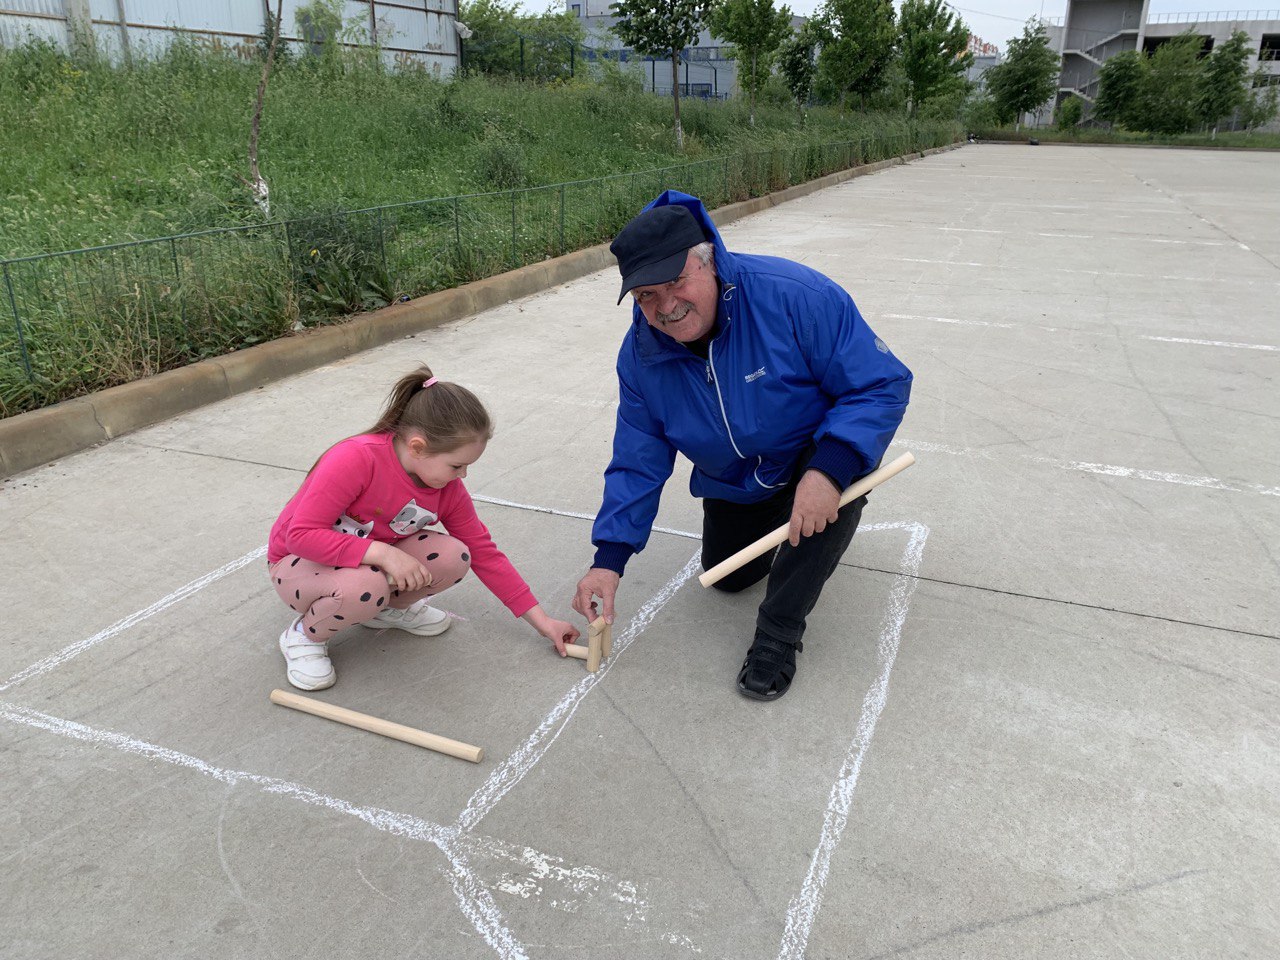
[484,175]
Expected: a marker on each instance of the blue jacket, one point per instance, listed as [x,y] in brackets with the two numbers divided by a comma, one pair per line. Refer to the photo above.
[792,364]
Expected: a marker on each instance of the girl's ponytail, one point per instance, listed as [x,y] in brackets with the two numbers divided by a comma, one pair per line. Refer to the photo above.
[446,414]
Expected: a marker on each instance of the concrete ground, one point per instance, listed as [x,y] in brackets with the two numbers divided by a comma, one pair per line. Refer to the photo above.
[1038,714]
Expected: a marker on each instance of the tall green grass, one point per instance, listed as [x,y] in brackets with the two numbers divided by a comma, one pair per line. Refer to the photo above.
[91,154]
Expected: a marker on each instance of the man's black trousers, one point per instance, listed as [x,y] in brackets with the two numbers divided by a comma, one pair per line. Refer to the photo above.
[796,574]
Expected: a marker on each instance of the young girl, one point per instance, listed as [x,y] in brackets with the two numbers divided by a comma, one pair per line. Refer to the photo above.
[351,546]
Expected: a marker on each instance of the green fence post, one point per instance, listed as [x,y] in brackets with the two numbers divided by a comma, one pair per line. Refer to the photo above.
[514,262]
[457,230]
[382,245]
[562,218]
[17,322]
[177,284]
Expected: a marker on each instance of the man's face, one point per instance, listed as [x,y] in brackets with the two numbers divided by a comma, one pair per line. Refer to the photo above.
[683,308]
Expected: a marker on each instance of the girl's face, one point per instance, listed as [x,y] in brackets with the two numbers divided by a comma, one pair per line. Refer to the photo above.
[439,469]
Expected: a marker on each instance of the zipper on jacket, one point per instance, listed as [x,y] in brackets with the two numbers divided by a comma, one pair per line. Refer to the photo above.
[712,379]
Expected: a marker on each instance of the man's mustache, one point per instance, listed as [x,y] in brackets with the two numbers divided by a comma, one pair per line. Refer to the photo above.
[675,315]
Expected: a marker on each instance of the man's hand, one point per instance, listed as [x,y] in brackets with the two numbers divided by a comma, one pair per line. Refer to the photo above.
[817,503]
[598,582]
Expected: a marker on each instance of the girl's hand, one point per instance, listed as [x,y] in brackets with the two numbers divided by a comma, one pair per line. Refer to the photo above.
[403,572]
[559,632]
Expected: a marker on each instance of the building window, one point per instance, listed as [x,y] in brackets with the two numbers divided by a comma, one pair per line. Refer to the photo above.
[1269,49]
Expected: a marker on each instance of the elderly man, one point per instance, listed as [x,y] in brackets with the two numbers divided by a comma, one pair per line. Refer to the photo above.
[763,373]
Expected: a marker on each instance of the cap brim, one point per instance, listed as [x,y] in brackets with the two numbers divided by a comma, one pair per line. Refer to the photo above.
[660,271]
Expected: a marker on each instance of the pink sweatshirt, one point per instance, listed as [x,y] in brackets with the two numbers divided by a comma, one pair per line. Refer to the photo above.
[359,491]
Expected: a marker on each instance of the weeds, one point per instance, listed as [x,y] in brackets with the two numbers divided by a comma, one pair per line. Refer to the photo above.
[159,149]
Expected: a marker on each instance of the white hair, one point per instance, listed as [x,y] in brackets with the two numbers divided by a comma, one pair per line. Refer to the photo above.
[706,253]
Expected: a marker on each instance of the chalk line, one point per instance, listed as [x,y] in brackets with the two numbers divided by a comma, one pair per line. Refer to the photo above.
[498,501]
[1102,469]
[1213,343]
[967,323]
[526,756]
[804,907]
[473,897]
[74,650]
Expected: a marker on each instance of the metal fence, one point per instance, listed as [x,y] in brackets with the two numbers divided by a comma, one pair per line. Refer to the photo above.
[88,319]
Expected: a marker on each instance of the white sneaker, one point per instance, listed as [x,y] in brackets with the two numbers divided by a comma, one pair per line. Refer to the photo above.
[307,663]
[418,619]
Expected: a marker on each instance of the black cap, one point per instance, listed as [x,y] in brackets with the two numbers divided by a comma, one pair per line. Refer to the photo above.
[654,246]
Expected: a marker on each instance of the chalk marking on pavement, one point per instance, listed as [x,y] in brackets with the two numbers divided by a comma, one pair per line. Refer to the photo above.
[498,501]
[74,650]
[526,756]
[1214,343]
[967,323]
[1102,469]
[804,907]
[473,899]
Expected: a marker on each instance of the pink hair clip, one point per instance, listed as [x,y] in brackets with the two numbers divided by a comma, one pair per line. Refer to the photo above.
[427,383]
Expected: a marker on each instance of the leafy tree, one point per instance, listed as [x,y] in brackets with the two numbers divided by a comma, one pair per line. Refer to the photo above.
[1119,88]
[1027,77]
[1263,104]
[1070,112]
[933,47]
[506,41]
[797,66]
[755,29]
[1167,100]
[857,44]
[1223,82]
[661,28]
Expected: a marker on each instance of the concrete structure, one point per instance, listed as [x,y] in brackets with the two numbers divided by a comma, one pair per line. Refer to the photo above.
[1035,715]
[705,69]
[418,35]
[1093,31]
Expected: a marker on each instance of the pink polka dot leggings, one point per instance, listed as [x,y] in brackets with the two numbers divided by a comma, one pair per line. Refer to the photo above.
[332,598]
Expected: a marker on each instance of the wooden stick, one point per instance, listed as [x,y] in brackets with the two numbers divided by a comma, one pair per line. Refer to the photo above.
[606,636]
[599,644]
[385,728]
[771,540]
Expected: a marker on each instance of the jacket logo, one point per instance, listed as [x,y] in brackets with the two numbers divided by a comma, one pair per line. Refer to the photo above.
[754,376]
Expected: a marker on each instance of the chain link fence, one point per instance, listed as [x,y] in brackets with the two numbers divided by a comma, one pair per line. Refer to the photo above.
[88,319]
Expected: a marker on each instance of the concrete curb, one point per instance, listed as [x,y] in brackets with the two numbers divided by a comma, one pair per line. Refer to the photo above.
[31,439]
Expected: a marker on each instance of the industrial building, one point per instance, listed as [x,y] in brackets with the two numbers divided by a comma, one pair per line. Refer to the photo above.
[1093,31]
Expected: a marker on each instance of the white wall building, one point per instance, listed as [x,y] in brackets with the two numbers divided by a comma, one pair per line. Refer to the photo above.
[415,34]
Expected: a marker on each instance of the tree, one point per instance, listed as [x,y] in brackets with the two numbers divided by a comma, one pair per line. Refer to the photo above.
[1028,76]
[1119,87]
[857,45]
[797,66]
[1167,100]
[755,29]
[1263,103]
[661,28]
[933,47]
[504,40]
[1069,113]
[1223,82]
